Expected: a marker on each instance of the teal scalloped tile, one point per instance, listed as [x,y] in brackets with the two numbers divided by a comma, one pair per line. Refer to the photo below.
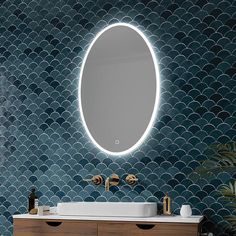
[43,48]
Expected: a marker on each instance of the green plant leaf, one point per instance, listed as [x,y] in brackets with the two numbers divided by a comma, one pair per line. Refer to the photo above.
[222,157]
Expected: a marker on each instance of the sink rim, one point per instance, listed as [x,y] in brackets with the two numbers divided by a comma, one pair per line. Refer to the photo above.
[108,209]
[135,203]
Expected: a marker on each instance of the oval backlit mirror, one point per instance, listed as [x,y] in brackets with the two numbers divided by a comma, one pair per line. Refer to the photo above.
[119,89]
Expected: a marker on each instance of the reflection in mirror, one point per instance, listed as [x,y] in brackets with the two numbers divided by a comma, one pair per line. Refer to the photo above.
[119,89]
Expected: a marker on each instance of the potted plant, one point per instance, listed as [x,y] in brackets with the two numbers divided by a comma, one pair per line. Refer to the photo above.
[222,158]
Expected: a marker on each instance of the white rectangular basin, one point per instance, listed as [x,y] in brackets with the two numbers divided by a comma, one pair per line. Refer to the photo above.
[125,209]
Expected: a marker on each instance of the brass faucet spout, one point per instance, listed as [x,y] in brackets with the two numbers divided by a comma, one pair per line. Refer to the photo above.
[107,184]
[112,180]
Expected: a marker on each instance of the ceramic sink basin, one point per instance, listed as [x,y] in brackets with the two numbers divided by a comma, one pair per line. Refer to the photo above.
[125,209]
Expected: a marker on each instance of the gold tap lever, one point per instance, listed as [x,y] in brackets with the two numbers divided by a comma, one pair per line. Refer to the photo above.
[113,180]
[131,179]
[96,179]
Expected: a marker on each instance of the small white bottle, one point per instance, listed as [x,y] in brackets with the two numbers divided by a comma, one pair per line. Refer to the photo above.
[186,211]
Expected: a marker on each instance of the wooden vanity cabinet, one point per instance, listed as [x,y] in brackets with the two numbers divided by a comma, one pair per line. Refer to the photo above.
[26,227]
[36,227]
[156,229]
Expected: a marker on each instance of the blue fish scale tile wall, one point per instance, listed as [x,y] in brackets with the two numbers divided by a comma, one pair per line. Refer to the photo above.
[42,139]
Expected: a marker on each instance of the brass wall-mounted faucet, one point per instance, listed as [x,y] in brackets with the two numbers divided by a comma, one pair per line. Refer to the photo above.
[112,180]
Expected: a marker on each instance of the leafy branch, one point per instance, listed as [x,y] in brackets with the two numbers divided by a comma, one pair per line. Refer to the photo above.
[229,192]
[222,158]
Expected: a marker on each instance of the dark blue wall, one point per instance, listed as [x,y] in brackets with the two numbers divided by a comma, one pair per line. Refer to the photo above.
[42,140]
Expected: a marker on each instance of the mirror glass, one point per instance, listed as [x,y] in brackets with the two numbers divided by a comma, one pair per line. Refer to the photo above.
[119,89]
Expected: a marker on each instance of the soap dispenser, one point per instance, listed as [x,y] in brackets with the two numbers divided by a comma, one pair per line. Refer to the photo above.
[166,205]
[33,201]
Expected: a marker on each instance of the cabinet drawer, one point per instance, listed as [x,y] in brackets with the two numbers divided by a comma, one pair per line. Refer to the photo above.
[54,228]
[143,229]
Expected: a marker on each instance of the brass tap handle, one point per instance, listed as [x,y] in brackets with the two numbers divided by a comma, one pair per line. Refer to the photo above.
[96,179]
[131,179]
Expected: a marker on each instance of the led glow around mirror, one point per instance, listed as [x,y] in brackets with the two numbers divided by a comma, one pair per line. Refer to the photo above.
[119,89]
